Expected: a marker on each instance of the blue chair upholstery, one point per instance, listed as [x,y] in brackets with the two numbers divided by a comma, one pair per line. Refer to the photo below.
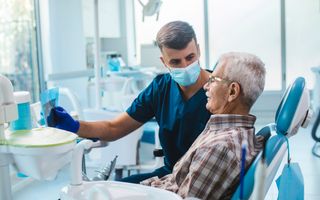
[293,112]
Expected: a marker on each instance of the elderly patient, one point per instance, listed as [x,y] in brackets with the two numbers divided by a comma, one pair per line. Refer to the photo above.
[210,169]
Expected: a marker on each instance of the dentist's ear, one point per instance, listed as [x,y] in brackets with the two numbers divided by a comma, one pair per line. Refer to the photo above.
[234,91]
[199,52]
[164,64]
[161,58]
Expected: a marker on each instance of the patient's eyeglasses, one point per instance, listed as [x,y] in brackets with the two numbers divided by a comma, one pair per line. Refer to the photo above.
[217,79]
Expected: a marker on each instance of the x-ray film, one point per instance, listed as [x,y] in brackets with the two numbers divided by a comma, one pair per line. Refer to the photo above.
[49,99]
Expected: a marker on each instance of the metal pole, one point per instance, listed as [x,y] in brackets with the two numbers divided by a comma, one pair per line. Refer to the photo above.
[42,85]
[97,55]
[283,45]
[206,34]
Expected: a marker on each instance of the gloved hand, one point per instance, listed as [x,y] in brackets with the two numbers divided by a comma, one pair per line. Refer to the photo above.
[59,118]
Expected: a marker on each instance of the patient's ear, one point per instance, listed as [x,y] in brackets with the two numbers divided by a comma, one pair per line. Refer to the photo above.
[234,91]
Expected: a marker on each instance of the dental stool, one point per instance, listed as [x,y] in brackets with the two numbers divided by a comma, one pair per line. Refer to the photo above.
[292,113]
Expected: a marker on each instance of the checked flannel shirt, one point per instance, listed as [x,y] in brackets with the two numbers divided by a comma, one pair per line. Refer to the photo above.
[210,169]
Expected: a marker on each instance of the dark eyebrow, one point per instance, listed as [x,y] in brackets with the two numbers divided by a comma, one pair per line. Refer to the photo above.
[175,61]
[190,55]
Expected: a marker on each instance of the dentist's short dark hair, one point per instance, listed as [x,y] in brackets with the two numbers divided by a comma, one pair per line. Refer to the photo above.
[175,35]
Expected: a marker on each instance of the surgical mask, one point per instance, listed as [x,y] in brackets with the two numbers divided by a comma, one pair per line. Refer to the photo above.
[186,76]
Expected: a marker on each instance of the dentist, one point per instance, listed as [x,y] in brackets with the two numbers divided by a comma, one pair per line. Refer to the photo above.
[176,100]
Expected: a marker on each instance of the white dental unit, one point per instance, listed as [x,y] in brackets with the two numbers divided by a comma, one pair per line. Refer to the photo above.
[109,190]
[40,153]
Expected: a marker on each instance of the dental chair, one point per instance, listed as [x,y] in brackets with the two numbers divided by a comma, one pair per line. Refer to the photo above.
[292,113]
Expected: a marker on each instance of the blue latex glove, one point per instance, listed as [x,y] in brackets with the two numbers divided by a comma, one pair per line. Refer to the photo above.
[59,118]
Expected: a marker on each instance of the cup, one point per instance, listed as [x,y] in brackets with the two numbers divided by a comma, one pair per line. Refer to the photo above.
[22,99]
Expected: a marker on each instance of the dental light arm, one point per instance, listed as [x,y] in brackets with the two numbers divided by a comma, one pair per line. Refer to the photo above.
[151,8]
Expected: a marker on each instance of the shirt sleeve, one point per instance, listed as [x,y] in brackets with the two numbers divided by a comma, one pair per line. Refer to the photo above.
[142,108]
[211,173]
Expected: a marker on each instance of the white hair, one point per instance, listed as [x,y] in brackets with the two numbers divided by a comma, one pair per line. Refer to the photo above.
[246,69]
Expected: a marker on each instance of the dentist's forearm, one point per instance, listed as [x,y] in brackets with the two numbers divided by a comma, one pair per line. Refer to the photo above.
[99,129]
[108,130]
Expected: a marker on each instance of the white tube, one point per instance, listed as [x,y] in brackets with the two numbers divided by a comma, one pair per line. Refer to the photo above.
[76,162]
[74,101]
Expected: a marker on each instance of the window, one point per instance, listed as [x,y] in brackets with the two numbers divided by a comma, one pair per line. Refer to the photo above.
[251,26]
[17,45]
[303,41]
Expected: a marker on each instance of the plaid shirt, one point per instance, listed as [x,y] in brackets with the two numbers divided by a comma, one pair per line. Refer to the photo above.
[210,169]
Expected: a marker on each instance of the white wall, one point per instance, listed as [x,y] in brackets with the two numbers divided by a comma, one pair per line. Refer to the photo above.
[109,21]
[125,44]
[63,42]
[63,32]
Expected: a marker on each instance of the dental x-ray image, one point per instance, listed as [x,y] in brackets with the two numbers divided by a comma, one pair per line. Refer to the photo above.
[49,100]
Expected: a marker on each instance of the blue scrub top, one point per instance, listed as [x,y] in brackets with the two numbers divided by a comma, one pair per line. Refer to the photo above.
[180,121]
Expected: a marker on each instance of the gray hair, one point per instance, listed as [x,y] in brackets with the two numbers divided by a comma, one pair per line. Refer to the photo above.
[175,35]
[246,69]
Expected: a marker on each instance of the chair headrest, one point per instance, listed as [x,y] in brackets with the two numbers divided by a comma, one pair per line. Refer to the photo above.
[294,109]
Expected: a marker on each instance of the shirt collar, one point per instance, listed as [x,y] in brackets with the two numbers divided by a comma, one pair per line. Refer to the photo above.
[222,121]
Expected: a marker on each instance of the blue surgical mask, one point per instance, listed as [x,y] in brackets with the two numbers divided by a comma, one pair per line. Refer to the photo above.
[186,76]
